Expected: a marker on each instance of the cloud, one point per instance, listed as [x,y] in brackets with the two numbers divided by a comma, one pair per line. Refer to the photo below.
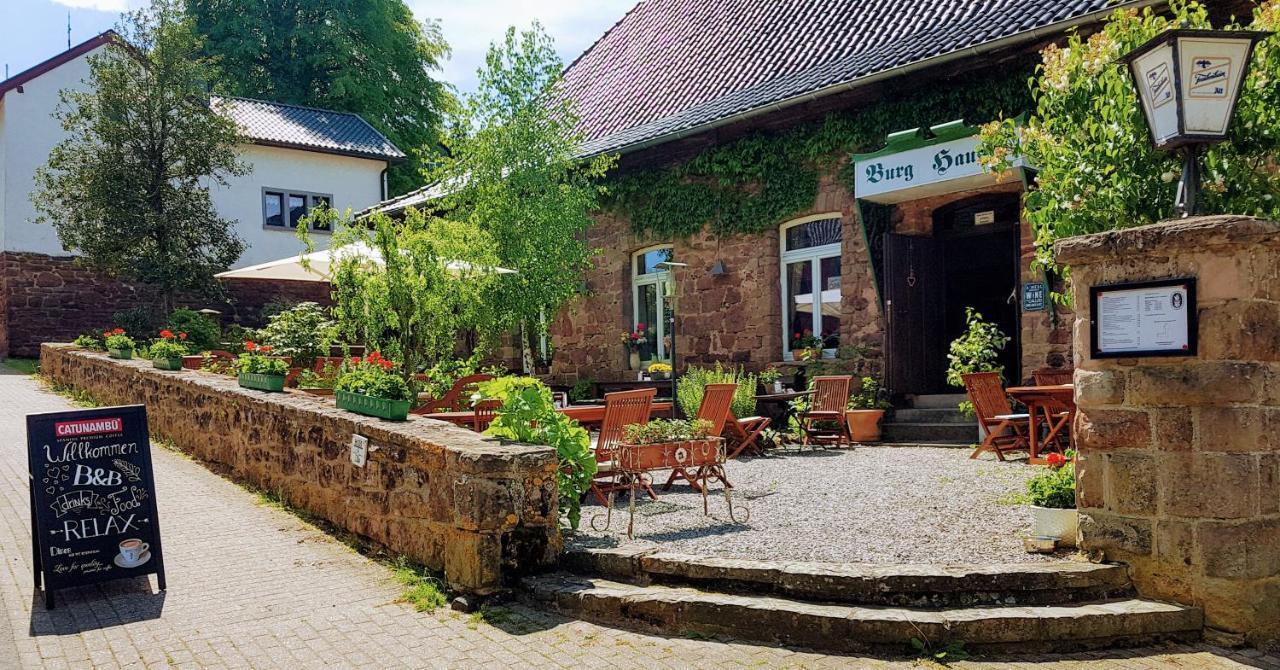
[115,6]
[470,27]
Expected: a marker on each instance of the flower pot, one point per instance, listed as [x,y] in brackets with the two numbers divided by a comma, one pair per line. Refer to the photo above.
[659,376]
[192,362]
[261,382]
[395,410]
[125,354]
[1062,524]
[864,424]
[172,364]
[633,360]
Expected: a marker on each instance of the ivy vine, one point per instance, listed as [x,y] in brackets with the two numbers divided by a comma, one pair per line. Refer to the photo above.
[755,183]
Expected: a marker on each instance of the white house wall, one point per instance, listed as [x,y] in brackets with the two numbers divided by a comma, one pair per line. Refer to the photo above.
[354,183]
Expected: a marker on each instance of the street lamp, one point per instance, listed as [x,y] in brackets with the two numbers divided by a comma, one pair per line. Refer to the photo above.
[670,267]
[1188,83]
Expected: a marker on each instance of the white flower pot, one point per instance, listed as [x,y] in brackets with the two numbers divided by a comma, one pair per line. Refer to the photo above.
[1062,524]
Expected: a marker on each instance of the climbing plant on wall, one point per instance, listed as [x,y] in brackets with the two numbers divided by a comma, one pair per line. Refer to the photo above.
[755,183]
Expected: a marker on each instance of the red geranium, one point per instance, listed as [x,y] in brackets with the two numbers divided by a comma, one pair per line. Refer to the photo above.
[375,357]
[106,333]
[386,364]
[182,336]
[264,348]
[249,345]
[166,334]
[355,360]
[1056,460]
[117,331]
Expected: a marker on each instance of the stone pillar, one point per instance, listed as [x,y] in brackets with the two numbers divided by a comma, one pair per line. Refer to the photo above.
[1179,471]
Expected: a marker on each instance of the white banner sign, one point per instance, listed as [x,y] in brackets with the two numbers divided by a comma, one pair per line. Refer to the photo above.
[888,178]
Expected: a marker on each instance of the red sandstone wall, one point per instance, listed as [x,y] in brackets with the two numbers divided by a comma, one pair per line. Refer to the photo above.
[46,298]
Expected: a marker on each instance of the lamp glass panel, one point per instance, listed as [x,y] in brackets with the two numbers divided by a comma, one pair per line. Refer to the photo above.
[1212,69]
[1154,72]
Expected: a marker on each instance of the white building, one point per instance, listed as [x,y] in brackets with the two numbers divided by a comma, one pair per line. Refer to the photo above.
[299,156]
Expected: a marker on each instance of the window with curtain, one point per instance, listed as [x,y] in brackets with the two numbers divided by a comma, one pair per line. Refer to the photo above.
[810,276]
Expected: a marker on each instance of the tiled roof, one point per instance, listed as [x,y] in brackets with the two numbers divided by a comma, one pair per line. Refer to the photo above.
[307,128]
[675,65]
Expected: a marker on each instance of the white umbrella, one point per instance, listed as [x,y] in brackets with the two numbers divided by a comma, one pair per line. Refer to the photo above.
[319,264]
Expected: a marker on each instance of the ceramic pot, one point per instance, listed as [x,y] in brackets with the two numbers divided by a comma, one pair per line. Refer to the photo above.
[864,424]
[1062,524]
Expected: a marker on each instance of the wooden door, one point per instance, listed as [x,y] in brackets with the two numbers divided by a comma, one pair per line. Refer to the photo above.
[915,347]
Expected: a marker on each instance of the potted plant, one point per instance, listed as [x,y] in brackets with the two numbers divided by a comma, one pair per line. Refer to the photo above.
[256,370]
[1052,495]
[865,410]
[319,383]
[118,344]
[632,341]
[806,347]
[771,379]
[976,350]
[167,352]
[659,371]
[370,386]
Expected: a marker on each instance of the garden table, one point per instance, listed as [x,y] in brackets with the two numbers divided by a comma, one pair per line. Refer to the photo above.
[584,414]
[1046,402]
[777,406]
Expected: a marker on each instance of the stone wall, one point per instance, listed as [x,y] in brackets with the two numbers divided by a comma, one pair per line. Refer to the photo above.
[1179,471]
[443,496]
[54,298]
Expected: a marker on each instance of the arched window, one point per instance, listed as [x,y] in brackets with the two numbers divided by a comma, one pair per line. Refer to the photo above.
[650,306]
[810,276]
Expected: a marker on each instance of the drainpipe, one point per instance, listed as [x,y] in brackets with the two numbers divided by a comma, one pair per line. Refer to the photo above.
[382,179]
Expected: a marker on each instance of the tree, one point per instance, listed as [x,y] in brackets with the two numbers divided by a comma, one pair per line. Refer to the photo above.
[1088,138]
[128,189]
[409,288]
[514,161]
[372,58]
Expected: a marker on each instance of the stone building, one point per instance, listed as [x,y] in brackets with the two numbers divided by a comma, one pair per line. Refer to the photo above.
[299,156]
[882,239]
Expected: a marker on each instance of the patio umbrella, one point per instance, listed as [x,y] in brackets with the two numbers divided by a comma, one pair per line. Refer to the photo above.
[319,264]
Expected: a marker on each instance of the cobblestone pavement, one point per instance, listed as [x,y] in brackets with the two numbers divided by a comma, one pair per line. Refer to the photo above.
[251,586]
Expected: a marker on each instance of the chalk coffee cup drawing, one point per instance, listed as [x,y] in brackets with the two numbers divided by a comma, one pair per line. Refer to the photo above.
[133,552]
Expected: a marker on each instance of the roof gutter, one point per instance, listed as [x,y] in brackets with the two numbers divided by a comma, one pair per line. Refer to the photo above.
[942,59]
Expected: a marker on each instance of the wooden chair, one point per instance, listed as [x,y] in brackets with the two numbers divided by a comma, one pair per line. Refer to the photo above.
[1053,376]
[716,400]
[1006,431]
[483,413]
[456,399]
[621,409]
[741,434]
[828,402]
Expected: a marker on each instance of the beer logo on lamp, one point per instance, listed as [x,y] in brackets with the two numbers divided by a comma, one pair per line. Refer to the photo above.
[1209,77]
[1160,85]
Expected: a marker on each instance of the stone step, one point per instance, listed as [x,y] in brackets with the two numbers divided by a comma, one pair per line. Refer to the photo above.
[913,415]
[683,611]
[938,401]
[936,433]
[1047,583]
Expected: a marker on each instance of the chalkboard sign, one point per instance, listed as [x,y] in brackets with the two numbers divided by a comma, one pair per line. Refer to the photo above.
[93,504]
[1033,296]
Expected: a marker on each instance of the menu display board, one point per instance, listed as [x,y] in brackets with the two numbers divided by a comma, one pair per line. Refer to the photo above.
[93,505]
[1154,318]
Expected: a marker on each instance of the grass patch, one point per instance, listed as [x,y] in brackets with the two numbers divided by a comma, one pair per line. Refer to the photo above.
[1013,498]
[421,589]
[78,397]
[27,366]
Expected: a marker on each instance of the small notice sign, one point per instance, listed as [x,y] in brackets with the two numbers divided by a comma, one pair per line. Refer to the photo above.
[1155,318]
[359,450]
[1033,296]
[93,504]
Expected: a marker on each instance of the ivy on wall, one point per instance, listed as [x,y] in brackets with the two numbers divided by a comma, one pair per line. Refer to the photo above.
[755,183]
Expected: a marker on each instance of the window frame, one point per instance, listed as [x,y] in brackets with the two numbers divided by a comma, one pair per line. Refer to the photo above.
[286,193]
[660,279]
[815,255]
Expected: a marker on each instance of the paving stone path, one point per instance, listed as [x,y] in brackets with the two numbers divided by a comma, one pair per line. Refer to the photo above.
[251,586]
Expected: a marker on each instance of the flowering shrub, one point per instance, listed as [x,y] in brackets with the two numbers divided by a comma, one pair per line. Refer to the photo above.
[528,415]
[170,345]
[1056,486]
[660,431]
[302,332]
[375,377]
[116,339]
[255,361]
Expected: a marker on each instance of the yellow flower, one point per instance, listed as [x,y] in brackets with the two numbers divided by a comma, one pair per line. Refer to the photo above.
[659,367]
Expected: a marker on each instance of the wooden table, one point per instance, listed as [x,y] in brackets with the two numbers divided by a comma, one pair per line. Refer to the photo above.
[777,406]
[1046,402]
[584,414]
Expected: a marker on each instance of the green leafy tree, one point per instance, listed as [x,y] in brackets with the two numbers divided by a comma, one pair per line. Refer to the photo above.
[410,288]
[514,161]
[128,189]
[1097,167]
[370,57]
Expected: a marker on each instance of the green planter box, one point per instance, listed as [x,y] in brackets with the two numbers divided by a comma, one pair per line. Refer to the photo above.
[120,353]
[261,382]
[172,364]
[395,410]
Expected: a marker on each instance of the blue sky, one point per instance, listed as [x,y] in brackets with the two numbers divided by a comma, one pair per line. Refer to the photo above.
[37,29]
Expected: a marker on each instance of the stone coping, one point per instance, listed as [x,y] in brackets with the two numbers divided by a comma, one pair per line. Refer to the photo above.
[1192,233]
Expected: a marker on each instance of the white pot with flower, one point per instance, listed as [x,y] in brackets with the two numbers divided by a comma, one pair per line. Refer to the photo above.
[1052,495]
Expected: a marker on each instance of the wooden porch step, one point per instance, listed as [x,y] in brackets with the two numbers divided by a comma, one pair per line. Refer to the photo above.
[847,628]
[938,401]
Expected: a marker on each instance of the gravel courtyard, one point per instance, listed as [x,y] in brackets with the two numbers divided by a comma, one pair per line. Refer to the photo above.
[868,504]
